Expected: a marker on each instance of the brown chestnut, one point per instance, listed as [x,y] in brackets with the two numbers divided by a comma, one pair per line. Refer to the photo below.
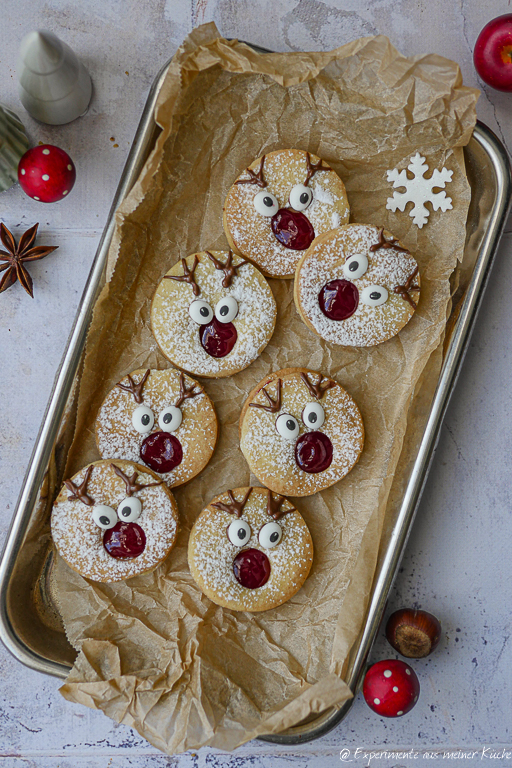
[413,633]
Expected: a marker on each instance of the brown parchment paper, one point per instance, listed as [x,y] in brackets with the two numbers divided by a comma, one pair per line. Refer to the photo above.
[154,652]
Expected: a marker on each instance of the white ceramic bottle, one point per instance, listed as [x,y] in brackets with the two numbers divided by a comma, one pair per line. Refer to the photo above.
[54,86]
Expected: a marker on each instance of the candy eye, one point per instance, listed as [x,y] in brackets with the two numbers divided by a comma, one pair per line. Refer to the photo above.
[170,418]
[287,426]
[313,415]
[129,510]
[265,203]
[143,419]
[355,267]
[201,312]
[226,309]
[374,295]
[270,535]
[105,517]
[300,197]
[239,532]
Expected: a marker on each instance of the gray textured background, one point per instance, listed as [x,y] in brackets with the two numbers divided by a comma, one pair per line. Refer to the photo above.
[457,561]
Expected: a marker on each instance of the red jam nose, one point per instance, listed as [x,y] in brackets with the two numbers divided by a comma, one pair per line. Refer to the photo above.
[292,229]
[251,568]
[338,299]
[218,339]
[161,452]
[313,452]
[126,540]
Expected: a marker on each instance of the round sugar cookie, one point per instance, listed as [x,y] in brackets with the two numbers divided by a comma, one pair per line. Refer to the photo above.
[356,286]
[300,432]
[213,313]
[250,550]
[162,419]
[279,204]
[114,520]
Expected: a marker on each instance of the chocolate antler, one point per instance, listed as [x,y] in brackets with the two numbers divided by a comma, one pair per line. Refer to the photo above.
[186,392]
[132,486]
[318,390]
[230,270]
[312,168]
[234,507]
[383,243]
[254,178]
[273,405]
[78,492]
[274,506]
[404,290]
[187,276]
[135,389]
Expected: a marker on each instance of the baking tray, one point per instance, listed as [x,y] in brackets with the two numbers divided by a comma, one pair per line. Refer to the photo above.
[30,626]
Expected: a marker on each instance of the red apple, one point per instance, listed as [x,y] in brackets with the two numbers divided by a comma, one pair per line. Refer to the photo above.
[493,53]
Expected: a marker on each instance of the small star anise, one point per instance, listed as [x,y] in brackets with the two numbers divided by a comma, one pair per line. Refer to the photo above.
[17,254]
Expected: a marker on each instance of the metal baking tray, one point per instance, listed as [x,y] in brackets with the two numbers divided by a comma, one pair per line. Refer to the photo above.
[30,626]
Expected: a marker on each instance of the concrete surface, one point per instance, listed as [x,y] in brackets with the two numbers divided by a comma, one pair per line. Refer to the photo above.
[457,561]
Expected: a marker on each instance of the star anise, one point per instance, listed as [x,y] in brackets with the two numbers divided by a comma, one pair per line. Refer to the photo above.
[17,254]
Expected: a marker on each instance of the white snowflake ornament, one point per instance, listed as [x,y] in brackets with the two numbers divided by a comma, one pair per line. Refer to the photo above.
[419,190]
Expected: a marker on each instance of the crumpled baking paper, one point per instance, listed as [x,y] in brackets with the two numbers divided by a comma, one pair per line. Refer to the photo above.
[154,653]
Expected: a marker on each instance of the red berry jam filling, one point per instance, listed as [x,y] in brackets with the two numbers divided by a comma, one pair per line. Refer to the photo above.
[124,540]
[218,339]
[292,229]
[313,452]
[251,568]
[338,299]
[161,452]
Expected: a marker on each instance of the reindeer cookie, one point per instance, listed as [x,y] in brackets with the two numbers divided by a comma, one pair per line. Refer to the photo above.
[162,419]
[250,550]
[279,204]
[114,520]
[213,314]
[300,432]
[356,286]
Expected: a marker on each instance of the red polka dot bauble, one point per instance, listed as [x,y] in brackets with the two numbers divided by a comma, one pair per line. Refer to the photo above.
[391,688]
[46,173]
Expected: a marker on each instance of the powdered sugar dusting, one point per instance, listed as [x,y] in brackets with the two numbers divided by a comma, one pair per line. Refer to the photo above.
[212,554]
[251,233]
[335,220]
[80,541]
[272,457]
[117,438]
[387,267]
[178,335]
